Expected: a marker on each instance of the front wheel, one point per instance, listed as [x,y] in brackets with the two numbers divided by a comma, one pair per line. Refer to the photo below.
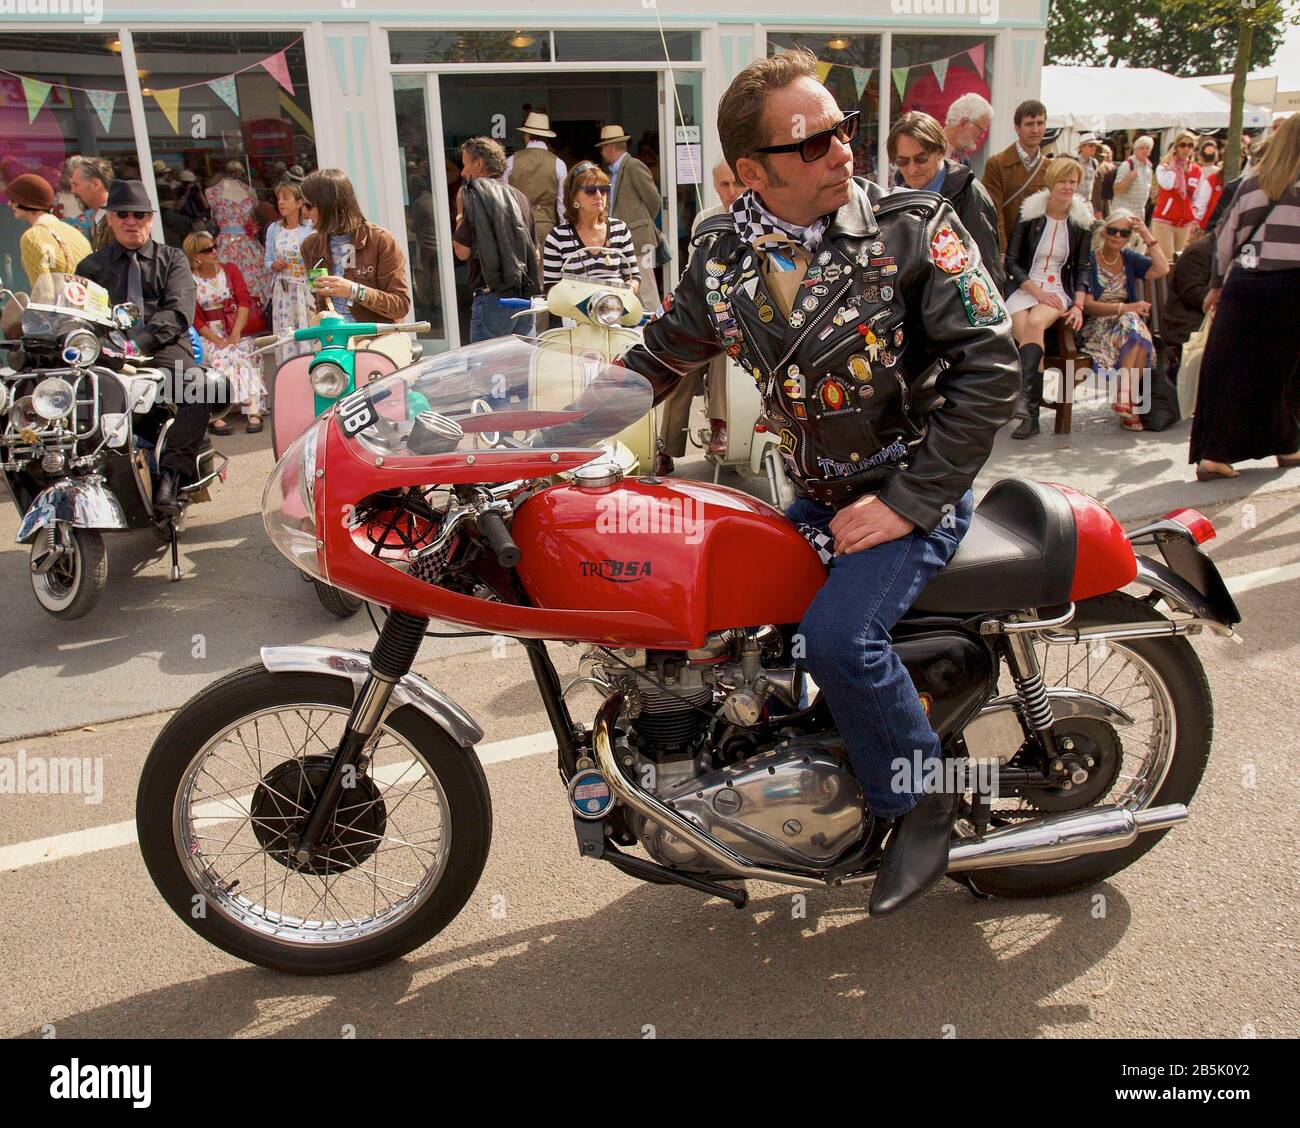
[73,582]
[233,774]
[336,602]
[1159,759]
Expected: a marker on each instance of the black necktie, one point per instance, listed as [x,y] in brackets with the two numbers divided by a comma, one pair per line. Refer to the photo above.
[134,283]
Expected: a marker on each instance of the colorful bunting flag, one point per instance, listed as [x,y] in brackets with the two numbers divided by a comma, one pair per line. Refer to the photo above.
[861,77]
[940,68]
[977,57]
[36,92]
[224,88]
[103,102]
[900,79]
[278,68]
[823,71]
[169,101]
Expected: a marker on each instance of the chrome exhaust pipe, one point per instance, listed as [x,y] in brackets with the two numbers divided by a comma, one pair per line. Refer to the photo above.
[1059,837]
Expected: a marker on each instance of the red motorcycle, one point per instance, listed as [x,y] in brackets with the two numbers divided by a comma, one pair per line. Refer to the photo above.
[324,811]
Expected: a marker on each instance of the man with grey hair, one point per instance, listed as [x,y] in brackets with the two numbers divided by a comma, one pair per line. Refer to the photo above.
[494,234]
[966,126]
[1133,178]
[89,180]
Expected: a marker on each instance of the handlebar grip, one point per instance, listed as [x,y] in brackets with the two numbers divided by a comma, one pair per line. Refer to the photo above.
[270,338]
[498,536]
[516,303]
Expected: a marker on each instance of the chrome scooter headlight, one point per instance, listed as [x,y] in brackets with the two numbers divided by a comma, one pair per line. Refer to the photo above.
[328,380]
[81,348]
[607,309]
[53,398]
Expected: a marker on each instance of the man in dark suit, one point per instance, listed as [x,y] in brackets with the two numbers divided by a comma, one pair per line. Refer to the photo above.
[90,180]
[157,279]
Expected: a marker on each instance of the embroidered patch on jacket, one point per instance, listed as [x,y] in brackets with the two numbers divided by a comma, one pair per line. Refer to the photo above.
[948,251]
[982,307]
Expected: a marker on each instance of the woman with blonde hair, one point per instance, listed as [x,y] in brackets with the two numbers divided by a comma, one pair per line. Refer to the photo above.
[1046,265]
[1178,176]
[1115,335]
[1247,398]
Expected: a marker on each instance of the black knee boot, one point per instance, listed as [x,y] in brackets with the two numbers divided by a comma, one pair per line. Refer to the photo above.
[1031,392]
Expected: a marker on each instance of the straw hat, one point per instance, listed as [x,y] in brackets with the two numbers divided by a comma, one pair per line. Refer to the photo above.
[611,134]
[537,125]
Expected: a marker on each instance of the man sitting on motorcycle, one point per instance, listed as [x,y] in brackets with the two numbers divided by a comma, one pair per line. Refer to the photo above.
[838,300]
[157,279]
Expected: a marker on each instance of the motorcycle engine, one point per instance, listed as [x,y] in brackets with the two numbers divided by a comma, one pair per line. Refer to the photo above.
[700,730]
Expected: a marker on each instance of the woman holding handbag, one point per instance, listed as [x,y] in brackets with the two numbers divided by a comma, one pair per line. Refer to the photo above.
[227,318]
[1247,399]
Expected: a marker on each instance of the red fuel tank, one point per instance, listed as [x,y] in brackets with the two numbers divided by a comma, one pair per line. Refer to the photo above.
[699,557]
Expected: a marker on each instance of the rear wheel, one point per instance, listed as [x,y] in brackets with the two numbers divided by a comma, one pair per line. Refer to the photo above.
[1157,760]
[233,773]
[75,580]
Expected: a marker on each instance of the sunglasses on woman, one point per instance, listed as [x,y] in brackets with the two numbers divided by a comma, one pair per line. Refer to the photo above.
[819,144]
[1125,231]
[595,189]
[1184,145]
[208,250]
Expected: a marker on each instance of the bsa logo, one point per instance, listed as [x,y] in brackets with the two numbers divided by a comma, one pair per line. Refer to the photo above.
[616,571]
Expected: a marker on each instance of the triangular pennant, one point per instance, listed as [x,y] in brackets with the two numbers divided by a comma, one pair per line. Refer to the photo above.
[103,102]
[278,68]
[861,77]
[224,88]
[36,92]
[169,101]
[977,57]
[900,80]
[823,71]
[940,68]
[749,288]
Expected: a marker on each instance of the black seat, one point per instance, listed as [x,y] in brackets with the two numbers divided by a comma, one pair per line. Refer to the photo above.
[1019,552]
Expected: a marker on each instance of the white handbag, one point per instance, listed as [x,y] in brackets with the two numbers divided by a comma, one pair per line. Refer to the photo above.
[1189,371]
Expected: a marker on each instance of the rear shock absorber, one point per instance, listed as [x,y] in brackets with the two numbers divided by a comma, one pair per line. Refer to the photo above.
[1028,678]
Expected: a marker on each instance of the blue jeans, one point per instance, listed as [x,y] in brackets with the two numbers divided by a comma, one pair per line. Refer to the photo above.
[847,649]
[488,319]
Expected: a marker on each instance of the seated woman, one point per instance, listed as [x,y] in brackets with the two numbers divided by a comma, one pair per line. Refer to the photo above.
[591,229]
[1115,335]
[1046,265]
[224,311]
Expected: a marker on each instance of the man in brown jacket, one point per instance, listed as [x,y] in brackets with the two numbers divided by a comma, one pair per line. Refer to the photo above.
[1016,173]
[635,200]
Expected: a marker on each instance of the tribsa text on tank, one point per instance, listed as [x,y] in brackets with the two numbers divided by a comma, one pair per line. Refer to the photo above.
[1074,719]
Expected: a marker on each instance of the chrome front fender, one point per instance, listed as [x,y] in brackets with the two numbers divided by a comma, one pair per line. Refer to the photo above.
[83,503]
[412,690]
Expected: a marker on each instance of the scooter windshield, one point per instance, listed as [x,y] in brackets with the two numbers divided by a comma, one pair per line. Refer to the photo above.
[510,393]
[57,297]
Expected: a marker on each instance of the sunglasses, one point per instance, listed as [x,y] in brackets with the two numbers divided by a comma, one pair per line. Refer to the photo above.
[906,162]
[594,189]
[1183,145]
[819,144]
[133,215]
[1125,231]
[208,250]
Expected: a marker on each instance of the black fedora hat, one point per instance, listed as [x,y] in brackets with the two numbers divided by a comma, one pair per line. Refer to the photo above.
[129,195]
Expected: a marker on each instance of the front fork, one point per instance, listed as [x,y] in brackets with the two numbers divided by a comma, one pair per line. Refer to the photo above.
[394,654]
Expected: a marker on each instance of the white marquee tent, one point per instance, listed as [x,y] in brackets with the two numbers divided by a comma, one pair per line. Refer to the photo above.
[1103,99]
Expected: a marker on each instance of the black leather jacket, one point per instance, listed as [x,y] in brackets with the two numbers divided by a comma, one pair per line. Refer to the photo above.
[974,207]
[852,422]
[1023,244]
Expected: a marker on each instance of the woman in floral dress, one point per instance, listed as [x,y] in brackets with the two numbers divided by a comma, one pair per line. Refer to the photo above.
[232,203]
[223,310]
[1114,333]
[291,300]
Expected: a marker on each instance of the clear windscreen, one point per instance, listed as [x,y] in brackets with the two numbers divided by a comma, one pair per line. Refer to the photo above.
[67,295]
[505,394]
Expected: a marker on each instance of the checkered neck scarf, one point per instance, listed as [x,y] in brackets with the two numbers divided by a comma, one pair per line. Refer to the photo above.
[754,221]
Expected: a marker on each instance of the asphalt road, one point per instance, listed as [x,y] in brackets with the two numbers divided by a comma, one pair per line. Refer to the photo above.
[1198,938]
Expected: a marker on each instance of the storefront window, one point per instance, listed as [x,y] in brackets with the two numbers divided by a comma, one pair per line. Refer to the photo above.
[849,67]
[501,46]
[68,99]
[930,72]
[418,203]
[625,46]
[227,105]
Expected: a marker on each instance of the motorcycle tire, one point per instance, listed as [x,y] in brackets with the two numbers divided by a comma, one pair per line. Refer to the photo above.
[73,592]
[253,690]
[336,602]
[1176,663]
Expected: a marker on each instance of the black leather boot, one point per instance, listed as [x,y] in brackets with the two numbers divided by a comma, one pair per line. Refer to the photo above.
[1031,392]
[916,855]
[164,495]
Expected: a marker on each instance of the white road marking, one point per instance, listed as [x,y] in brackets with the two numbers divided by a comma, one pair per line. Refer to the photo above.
[78,842]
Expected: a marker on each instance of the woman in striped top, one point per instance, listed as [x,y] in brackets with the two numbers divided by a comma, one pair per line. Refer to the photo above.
[1250,374]
[595,244]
